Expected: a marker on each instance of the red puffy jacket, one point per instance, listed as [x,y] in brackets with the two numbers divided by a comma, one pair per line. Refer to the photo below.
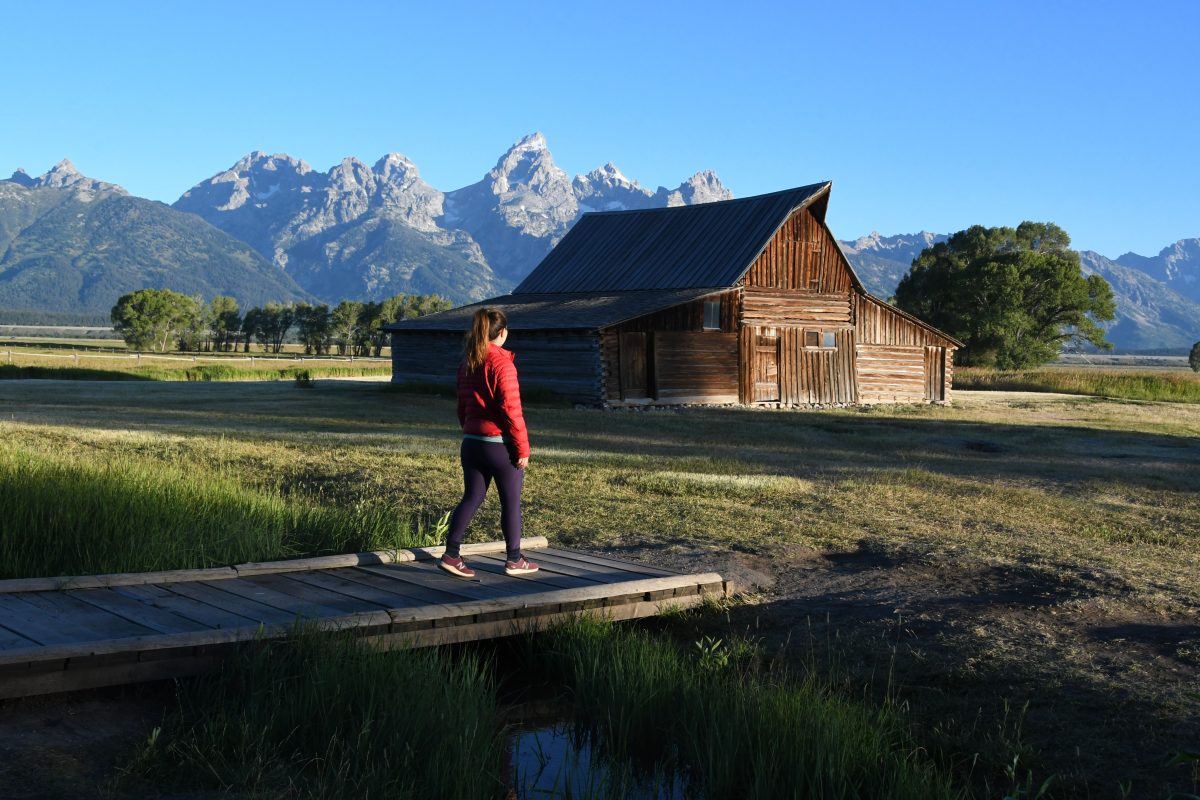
[489,400]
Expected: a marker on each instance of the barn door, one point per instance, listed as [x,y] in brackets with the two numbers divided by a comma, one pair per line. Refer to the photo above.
[765,367]
[634,367]
[935,374]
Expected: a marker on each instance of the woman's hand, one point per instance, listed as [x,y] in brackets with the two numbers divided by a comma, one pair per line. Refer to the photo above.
[522,463]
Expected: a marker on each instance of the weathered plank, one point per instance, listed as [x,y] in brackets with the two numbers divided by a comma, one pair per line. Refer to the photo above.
[146,614]
[191,608]
[54,584]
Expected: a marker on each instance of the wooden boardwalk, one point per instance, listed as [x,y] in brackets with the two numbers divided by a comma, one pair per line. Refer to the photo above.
[61,634]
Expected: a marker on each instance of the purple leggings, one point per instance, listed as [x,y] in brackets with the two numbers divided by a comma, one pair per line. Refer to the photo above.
[483,462]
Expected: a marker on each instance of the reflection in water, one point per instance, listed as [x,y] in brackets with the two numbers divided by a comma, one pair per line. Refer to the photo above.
[555,761]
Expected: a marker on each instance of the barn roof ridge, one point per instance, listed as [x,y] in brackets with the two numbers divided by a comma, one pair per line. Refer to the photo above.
[679,209]
[680,247]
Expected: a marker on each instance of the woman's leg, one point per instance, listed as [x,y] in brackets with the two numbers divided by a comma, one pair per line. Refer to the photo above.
[509,481]
[476,477]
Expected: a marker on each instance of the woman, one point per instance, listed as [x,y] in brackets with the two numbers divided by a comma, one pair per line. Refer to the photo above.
[495,443]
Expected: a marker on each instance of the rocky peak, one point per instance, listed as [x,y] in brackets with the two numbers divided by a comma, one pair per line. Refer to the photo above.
[607,189]
[529,167]
[21,177]
[903,246]
[1177,265]
[64,175]
[703,187]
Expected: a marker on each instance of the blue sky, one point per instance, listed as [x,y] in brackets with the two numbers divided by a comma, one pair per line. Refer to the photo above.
[925,115]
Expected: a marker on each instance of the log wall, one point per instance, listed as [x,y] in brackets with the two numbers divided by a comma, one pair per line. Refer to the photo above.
[891,373]
[566,362]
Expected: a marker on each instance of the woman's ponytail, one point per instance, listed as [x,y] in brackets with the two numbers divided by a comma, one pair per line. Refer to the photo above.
[486,324]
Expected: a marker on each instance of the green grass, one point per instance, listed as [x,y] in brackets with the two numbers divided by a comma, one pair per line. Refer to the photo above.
[732,728]
[329,716]
[1049,522]
[97,515]
[1159,385]
[326,717]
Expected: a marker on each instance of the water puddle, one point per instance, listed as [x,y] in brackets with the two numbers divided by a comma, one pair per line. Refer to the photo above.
[548,757]
[556,762]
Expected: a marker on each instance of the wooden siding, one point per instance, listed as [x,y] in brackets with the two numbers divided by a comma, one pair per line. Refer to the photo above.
[778,368]
[695,367]
[682,367]
[775,307]
[891,374]
[687,316]
[879,323]
[802,256]
[566,362]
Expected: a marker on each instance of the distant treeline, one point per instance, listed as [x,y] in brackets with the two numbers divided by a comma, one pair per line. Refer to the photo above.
[24,316]
[159,319]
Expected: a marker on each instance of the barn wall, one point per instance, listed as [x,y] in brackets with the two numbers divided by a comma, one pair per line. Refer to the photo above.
[686,316]
[777,367]
[801,256]
[566,362]
[696,367]
[684,362]
[879,323]
[891,373]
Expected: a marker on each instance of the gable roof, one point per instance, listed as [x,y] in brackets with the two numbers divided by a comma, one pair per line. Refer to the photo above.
[559,311]
[684,247]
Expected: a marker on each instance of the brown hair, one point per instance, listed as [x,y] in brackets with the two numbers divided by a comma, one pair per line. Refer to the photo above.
[486,324]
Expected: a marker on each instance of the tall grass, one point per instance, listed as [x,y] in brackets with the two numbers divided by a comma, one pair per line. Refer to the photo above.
[731,730]
[64,517]
[329,717]
[1125,384]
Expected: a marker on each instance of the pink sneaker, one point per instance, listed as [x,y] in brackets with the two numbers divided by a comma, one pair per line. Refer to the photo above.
[456,566]
[522,566]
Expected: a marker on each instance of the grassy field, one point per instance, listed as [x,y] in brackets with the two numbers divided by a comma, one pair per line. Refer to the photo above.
[57,364]
[1017,571]
[1126,383]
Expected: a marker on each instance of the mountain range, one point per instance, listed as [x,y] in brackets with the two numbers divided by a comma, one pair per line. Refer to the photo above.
[272,228]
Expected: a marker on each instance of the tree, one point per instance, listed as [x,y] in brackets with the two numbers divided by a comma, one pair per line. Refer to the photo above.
[151,319]
[312,326]
[224,322]
[251,326]
[345,324]
[1013,297]
[1194,357]
[271,324]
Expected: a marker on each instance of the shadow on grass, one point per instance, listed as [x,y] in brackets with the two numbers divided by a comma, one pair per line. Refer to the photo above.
[15,372]
[993,664]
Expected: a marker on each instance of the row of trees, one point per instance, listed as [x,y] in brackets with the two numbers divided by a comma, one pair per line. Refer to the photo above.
[159,319]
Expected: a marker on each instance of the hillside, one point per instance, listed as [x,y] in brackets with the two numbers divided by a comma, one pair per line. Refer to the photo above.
[76,246]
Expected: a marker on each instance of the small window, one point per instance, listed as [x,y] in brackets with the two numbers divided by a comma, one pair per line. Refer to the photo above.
[712,315]
[828,339]
[812,338]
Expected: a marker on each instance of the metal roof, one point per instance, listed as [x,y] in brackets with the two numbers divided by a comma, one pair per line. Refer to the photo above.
[710,244]
[559,311]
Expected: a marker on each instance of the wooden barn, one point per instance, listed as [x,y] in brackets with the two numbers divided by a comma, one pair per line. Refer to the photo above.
[743,301]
